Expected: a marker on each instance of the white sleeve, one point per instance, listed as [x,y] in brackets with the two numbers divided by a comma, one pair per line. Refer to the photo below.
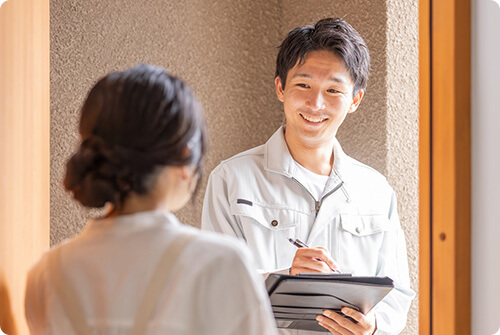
[391,312]
[237,298]
[34,301]
[216,214]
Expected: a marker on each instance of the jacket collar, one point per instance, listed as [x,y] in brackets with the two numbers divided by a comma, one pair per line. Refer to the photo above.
[277,159]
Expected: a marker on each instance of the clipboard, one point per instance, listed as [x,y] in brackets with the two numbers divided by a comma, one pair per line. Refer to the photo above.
[296,300]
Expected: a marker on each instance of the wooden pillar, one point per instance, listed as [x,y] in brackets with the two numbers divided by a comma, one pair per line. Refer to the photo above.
[445,167]
[24,151]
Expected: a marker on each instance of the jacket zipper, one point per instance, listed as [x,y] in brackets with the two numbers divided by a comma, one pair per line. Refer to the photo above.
[332,191]
[317,204]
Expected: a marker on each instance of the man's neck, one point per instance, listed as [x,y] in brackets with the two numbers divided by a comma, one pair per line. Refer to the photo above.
[317,158]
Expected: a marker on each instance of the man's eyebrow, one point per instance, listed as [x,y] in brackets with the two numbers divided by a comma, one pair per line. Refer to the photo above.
[338,80]
[308,76]
[301,75]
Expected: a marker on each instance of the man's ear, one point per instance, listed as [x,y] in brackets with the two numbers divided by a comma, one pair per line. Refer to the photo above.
[356,100]
[279,89]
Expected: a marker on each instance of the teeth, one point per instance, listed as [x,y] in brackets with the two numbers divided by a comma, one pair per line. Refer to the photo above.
[312,119]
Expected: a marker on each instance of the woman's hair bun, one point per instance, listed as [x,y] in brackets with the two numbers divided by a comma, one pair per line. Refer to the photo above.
[93,178]
[132,123]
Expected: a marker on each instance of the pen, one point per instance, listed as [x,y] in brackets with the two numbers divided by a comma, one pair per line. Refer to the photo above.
[299,244]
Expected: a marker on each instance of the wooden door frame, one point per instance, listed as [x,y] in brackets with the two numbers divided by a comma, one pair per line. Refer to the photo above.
[445,177]
[24,151]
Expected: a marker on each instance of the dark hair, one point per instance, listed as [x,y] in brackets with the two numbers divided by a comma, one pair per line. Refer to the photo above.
[133,123]
[332,34]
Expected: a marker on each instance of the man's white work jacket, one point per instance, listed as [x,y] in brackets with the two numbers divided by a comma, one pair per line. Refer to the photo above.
[258,196]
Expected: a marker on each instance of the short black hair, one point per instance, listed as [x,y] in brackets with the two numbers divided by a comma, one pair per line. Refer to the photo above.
[332,34]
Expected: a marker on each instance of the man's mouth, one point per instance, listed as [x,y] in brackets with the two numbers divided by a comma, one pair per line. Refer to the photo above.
[314,119]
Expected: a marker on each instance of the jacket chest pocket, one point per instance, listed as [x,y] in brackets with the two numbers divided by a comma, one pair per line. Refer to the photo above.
[359,242]
[266,230]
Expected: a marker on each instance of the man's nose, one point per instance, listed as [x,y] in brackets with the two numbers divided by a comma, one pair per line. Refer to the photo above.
[317,100]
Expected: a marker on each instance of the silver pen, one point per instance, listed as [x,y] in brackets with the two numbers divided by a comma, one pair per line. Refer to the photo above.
[299,244]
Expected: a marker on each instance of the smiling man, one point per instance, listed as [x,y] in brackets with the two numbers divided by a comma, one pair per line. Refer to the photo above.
[301,185]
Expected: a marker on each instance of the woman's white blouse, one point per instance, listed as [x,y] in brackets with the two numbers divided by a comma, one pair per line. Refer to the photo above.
[214,288]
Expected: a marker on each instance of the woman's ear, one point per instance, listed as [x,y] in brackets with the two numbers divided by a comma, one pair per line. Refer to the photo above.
[356,100]
[279,89]
[186,172]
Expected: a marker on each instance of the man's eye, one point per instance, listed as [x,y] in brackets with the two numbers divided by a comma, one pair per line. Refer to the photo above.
[332,91]
[303,85]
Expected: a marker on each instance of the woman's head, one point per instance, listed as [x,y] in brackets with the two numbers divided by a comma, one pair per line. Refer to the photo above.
[133,124]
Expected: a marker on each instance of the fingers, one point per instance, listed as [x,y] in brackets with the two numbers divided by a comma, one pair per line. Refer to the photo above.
[338,324]
[354,314]
[325,257]
[312,260]
[295,270]
[341,320]
[331,324]
[366,322]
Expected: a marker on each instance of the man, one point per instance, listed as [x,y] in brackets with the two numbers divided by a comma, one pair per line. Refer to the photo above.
[300,184]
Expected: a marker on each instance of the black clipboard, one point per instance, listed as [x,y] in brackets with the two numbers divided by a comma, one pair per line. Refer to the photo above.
[296,300]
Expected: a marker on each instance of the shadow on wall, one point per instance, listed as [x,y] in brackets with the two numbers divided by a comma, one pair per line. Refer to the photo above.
[6,317]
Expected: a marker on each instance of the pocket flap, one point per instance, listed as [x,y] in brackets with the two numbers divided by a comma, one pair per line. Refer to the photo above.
[269,216]
[362,225]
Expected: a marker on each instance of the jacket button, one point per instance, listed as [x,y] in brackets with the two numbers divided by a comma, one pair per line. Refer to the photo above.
[358,230]
[274,223]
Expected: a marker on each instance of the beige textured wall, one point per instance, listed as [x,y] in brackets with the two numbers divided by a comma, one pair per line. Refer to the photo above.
[225,50]
[402,127]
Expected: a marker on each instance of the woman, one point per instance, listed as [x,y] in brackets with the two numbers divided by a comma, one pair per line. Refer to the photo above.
[138,270]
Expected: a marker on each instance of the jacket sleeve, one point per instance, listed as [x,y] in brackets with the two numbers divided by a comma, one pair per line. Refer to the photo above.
[216,214]
[391,312]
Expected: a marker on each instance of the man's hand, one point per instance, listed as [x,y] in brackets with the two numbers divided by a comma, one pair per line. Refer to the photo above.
[337,324]
[312,260]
